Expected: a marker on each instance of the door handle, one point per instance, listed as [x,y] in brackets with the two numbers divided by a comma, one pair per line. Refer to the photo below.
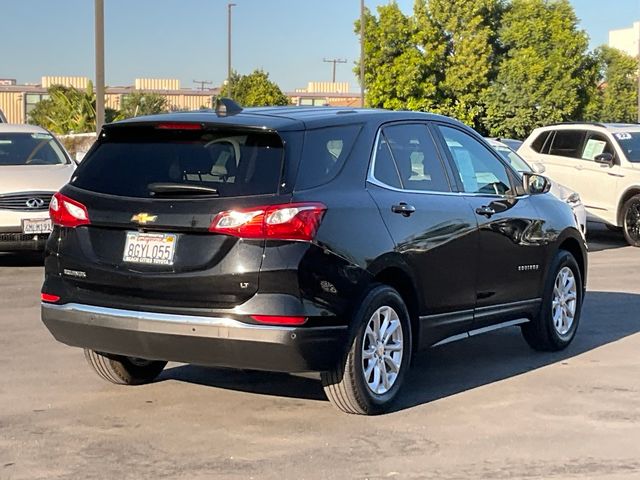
[578,167]
[485,210]
[404,209]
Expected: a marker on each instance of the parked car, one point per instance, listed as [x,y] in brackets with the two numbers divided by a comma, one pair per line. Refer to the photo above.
[33,166]
[599,161]
[304,239]
[563,193]
[512,143]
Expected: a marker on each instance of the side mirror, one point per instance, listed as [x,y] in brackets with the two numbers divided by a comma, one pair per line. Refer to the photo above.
[538,167]
[535,184]
[605,158]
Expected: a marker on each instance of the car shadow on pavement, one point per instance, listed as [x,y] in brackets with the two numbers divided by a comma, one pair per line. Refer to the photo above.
[600,238]
[22,259]
[453,368]
[250,381]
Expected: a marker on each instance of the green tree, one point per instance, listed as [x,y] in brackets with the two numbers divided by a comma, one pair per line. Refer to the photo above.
[254,90]
[138,104]
[439,59]
[400,71]
[546,75]
[68,110]
[616,96]
[469,30]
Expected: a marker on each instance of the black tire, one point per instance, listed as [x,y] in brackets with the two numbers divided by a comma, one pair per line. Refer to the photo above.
[124,370]
[540,333]
[345,385]
[631,221]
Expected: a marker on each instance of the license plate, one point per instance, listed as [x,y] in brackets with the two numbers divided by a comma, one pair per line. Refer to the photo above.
[37,226]
[150,248]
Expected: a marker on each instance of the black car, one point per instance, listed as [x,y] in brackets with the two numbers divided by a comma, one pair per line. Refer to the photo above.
[303,239]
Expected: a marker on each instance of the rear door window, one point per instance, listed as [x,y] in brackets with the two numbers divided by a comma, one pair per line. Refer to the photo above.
[567,143]
[234,162]
[540,140]
[324,154]
[414,159]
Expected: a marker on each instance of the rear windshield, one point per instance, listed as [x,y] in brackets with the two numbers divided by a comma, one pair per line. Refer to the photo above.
[30,149]
[233,162]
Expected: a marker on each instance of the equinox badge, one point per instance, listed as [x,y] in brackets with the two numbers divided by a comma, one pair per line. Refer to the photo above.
[144,218]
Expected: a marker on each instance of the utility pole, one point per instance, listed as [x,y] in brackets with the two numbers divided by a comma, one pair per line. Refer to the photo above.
[334,61]
[202,83]
[99,33]
[361,53]
[229,7]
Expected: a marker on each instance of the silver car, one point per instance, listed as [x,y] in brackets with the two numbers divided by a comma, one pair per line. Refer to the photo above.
[560,191]
[33,166]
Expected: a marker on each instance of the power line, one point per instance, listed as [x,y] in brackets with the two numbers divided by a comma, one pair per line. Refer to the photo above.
[202,83]
[334,61]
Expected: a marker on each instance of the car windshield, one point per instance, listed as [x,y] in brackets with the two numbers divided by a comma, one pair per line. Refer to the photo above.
[630,144]
[30,149]
[513,158]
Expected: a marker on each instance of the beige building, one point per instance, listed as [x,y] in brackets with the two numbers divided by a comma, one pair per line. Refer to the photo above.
[335,94]
[16,101]
[626,39]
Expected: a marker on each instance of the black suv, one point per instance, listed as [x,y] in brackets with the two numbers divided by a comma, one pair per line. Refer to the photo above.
[303,239]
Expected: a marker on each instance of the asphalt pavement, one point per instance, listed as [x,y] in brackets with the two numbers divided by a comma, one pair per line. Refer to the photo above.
[488,407]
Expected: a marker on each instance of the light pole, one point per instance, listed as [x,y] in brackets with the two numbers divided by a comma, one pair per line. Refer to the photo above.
[229,7]
[361,53]
[99,32]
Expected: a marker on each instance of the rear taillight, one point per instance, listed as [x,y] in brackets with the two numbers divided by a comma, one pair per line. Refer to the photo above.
[291,221]
[49,298]
[67,212]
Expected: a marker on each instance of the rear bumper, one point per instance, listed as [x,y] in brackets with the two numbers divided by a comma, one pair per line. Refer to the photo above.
[211,341]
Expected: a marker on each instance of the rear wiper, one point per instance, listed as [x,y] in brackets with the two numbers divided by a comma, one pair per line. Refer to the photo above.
[157,189]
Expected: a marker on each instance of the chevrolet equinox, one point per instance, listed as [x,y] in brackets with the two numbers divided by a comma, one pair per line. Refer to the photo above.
[303,239]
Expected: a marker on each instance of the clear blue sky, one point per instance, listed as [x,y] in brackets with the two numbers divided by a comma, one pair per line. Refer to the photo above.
[186,39]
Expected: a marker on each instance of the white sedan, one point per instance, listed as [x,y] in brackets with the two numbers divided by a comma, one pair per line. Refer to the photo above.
[33,166]
[563,193]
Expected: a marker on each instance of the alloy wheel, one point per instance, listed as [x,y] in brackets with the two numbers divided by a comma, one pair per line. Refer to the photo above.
[382,350]
[632,221]
[565,301]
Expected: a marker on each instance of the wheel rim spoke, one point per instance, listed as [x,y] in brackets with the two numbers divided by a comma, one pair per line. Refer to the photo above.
[368,353]
[390,330]
[375,383]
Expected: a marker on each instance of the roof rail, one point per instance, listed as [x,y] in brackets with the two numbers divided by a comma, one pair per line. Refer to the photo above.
[594,124]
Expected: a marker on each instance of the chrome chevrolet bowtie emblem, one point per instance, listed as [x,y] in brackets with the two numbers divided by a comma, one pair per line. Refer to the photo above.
[143,218]
[35,203]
